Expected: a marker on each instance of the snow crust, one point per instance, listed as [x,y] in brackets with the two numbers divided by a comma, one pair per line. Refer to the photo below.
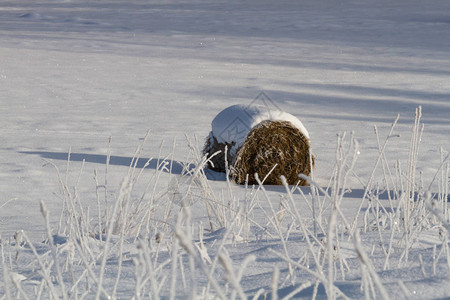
[233,124]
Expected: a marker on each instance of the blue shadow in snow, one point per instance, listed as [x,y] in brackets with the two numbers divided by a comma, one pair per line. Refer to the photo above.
[350,193]
[350,288]
[178,168]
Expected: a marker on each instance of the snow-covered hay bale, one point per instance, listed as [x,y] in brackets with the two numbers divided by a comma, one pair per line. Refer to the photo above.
[256,140]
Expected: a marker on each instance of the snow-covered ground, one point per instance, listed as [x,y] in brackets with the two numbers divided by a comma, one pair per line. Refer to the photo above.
[75,73]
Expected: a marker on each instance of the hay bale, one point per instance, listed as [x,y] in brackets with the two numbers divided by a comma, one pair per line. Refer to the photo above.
[255,140]
[273,143]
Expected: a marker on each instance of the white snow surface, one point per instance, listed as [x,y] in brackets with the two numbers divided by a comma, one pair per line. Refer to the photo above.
[91,78]
[233,124]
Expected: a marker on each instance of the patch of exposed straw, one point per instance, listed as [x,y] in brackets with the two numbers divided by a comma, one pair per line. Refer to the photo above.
[269,144]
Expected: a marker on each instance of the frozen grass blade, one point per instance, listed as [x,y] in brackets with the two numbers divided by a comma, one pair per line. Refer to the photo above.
[187,246]
[145,252]
[320,277]
[364,259]
[44,270]
[54,253]
[10,200]
[174,267]
[274,286]
[297,290]
[370,182]
[404,289]
[276,224]
[124,190]
[5,272]
[232,277]
[90,271]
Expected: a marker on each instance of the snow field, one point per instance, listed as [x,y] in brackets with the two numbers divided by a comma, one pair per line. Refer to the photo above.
[74,73]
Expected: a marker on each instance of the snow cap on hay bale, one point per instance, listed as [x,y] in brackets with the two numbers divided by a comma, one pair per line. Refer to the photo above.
[257,138]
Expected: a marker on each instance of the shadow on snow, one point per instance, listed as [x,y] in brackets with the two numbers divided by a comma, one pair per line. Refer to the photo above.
[182,168]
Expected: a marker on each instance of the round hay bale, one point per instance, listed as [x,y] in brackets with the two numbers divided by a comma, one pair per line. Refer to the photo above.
[255,140]
[273,145]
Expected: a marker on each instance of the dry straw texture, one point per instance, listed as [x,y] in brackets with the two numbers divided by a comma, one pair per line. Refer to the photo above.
[268,144]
